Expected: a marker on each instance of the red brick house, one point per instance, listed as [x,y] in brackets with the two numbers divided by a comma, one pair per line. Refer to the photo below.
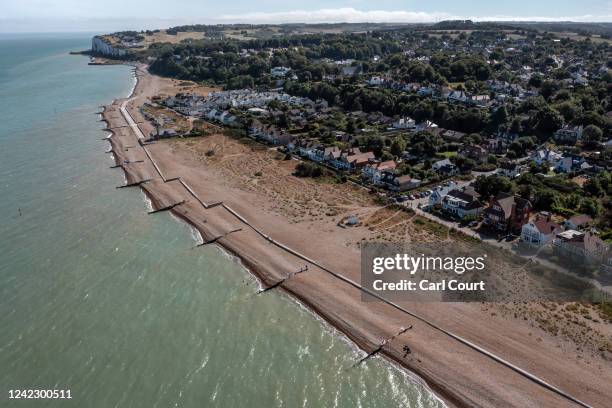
[507,213]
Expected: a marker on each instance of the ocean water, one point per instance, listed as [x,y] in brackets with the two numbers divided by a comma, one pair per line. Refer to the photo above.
[117,306]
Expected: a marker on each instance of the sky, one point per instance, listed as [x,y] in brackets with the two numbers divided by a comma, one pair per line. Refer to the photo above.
[113,15]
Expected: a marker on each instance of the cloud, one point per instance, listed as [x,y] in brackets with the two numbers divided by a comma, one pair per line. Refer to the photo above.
[351,15]
[345,15]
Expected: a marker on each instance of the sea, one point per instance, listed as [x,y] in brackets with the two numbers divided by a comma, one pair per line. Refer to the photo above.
[120,307]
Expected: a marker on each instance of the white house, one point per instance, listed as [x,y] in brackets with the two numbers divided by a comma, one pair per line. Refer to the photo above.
[545,155]
[373,171]
[540,231]
[426,125]
[404,123]
[510,169]
[440,192]
[462,203]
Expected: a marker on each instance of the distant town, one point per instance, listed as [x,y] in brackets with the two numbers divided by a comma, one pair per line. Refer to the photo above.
[501,131]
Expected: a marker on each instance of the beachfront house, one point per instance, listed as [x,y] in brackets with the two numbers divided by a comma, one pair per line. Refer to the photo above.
[462,203]
[373,172]
[581,247]
[439,192]
[393,182]
[507,213]
[540,231]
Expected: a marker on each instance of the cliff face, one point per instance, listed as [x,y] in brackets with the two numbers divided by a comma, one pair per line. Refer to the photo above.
[101,47]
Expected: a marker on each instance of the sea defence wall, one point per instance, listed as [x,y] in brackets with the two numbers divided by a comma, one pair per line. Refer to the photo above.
[101,47]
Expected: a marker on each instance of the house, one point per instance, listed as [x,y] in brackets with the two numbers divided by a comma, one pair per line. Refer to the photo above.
[439,164]
[495,146]
[376,81]
[452,135]
[506,137]
[404,123]
[476,153]
[564,165]
[462,203]
[458,97]
[352,70]
[445,168]
[480,100]
[578,222]
[374,171]
[509,169]
[392,182]
[279,72]
[581,247]
[426,125]
[358,160]
[541,156]
[540,231]
[507,213]
[425,91]
[440,192]
[568,134]
[571,163]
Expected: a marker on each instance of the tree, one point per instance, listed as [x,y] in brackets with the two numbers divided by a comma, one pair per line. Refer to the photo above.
[592,135]
[492,185]
[548,120]
[593,187]
[397,147]
[590,206]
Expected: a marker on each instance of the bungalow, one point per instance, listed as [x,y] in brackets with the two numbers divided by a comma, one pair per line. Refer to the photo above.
[568,134]
[540,231]
[578,222]
[507,213]
[462,203]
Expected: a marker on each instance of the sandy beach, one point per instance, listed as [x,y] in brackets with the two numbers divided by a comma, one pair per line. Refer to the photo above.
[243,198]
